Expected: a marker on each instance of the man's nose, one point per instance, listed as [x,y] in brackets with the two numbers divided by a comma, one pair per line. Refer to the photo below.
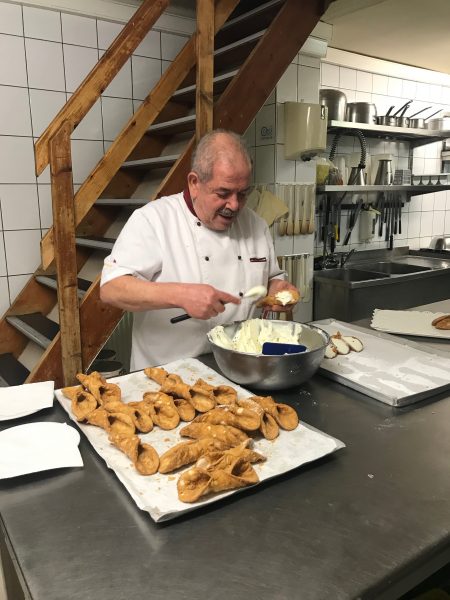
[233,201]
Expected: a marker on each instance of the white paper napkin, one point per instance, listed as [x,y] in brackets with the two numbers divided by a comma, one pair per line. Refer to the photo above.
[37,447]
[20,400]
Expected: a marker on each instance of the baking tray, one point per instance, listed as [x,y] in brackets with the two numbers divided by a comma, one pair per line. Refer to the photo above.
[157,494]
[393,370]
[408,322]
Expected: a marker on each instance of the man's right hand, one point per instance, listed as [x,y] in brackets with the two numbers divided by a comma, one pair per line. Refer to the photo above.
[202,301]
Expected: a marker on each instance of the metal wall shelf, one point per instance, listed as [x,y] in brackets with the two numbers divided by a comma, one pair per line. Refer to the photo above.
[416,137]
[410,190]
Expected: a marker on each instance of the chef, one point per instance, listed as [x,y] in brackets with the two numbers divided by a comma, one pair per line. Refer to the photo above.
[197,252]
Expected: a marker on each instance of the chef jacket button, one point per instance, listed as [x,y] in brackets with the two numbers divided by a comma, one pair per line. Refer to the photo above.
[199,223]
[239,257]
[206,257]
[241,294]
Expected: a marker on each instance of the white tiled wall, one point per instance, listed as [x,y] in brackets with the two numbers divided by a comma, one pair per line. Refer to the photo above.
[426,215]
[44,56]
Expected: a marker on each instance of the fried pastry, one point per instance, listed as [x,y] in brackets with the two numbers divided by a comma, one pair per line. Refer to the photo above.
[184,408]
[99,417]
[72,391]
[284,415]
[196,482]
[204,384]
[157,374]
[142,420]
[120,423]
[225,394]
[269,427]
[97,385]
[186,453]
[224,433]
[281,298]
[442,322]
[226,458]
[233,415]
[82,404]
[201,399]
[143,456]
[162,410]
[174,386]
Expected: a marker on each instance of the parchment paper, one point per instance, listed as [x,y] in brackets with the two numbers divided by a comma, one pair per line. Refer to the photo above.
[157,494]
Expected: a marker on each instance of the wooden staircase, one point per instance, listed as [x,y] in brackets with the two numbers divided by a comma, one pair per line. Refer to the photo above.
[59,309]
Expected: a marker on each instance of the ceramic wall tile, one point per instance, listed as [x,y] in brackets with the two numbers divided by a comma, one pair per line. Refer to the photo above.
[265,126]
[285,169]
[85,156]
[3,270]
[271,98]
[364,81]
[438,222]
[4,295]
[171,44]
[45,65]
[447,222]
[394,86]
[329,76]
[16,284]
[308,84]
[308,61]
[16,160]
[19,207]
[45,206]
[146,73]
[121,86]
[150,45]
[409,89]
[288,85]
[250,134]
[44,107]
[350,95]
[78,30]
[11,18]
[14,111]
[90,127]
[12,71]
[264,164]
[347,78]
[22,250]
[42,24]
[426,224]
[363,96]
[116,112]
[78,63]
[380,84]
[107,31]
[440,201]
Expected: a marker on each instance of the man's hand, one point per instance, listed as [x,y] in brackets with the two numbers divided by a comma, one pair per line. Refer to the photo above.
[279,285]
[202,301]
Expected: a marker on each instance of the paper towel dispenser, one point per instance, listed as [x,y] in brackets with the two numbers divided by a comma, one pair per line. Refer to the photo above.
[305,130]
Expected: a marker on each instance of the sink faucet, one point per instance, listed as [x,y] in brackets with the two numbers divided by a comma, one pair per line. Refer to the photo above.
[346,255]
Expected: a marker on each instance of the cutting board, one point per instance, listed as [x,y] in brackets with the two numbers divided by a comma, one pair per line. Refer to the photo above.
[408,322]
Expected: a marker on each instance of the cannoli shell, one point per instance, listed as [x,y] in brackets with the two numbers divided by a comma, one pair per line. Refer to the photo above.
[236,416]
[121,423]
[83,404]
[156,374]
[225,394]
[187,453]
[285,416]
[202,399]
[99,417]
[268,427]
[274,301]
[224,433]
[143,456]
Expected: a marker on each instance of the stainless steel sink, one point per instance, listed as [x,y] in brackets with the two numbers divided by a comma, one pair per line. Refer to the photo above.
[379,280]
[391,268]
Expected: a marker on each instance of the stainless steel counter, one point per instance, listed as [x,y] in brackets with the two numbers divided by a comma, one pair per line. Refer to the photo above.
[370,521]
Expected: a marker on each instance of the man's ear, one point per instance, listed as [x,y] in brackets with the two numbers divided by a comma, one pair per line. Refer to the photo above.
[193,182]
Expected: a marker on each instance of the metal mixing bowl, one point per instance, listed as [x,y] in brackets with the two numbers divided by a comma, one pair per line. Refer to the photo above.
[272,372]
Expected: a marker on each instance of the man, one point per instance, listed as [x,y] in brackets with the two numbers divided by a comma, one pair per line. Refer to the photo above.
[198,251]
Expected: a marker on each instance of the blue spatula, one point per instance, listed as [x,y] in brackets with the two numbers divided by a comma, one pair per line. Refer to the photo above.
[277,349]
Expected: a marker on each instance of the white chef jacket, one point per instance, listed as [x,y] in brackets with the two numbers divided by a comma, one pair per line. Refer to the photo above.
[165,242]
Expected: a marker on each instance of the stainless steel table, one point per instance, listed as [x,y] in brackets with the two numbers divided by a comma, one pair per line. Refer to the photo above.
[370,521]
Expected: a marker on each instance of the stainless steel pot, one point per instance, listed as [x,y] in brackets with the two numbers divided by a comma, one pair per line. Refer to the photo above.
[335,101]
[441,124]
[421,123]
[263,372]
[386,121]
[361,112]
[440,242]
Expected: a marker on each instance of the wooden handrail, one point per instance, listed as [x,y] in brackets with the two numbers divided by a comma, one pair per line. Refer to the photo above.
[134,129]
[101,75]
[205,68]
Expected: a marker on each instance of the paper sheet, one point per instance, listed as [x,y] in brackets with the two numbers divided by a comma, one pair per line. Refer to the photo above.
[37,447]
[157,494]
[390,370]
[21,400]
[408,322]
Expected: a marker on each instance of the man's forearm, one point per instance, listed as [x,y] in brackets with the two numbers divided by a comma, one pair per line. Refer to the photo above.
[135,295]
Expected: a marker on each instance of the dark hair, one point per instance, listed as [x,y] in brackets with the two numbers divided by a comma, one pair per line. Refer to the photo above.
[215,145]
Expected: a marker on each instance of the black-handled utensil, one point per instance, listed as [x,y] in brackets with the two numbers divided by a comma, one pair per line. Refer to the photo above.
[180,318]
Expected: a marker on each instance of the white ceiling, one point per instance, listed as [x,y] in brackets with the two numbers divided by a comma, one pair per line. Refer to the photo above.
[412,32]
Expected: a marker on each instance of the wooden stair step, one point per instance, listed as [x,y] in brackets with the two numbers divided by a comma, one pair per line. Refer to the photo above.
[99,243]
[121,201]
[35,327]
[158,162]
[51,282]
[180,125]
[220,82]
[12,372]
[246,23]
[241,44]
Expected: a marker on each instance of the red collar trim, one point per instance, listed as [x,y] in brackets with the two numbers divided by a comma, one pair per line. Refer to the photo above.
[188,200]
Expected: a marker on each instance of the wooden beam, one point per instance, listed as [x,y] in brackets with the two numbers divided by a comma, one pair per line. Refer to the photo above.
[101,75]
[133,131]
[205,68]
[264,66]
[65,252]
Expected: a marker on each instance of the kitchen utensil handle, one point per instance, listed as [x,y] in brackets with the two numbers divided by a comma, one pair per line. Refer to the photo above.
[180,318]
